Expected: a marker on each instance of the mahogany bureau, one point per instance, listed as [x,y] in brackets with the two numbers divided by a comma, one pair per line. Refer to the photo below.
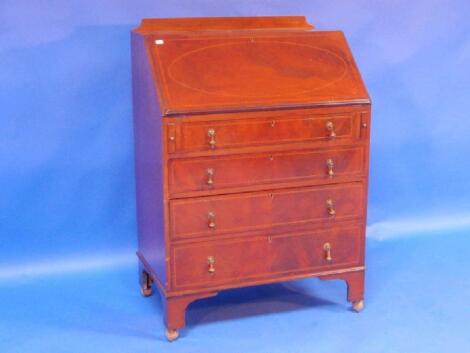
[252,155]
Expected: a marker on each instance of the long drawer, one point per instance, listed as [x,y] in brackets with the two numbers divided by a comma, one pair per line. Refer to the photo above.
[226,172]
[244,259]
[217,215]
[289,127]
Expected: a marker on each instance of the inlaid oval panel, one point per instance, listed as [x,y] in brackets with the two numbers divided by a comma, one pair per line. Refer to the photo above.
[257,69]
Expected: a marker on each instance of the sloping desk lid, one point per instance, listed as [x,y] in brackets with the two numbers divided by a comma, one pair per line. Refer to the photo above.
[247,70]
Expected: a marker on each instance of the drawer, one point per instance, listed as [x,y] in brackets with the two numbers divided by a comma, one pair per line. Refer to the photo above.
[217,215]
[226,172]
[244,259]
[220,134]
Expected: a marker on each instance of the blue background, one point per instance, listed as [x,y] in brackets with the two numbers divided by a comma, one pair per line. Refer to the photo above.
[67,208]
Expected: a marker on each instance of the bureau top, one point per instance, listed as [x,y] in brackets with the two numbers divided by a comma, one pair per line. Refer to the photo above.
[150,25]
[225,65]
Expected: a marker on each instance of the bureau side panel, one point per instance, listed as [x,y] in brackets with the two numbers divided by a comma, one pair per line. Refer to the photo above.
[148,162]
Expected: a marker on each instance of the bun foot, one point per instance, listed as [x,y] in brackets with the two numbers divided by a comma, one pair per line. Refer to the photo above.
[171,335]
[145,284]
[358,306]
[146,292]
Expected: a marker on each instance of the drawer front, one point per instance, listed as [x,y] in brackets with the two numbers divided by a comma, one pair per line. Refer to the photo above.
[237,133]
[217,215]
[215,263]
[221,173]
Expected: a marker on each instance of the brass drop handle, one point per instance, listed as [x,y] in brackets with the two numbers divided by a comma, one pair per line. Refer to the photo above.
[327,250]
[330,207]
[330,165]
[330,127]
[211,135]
[211,218]
[210,176]
[211,264]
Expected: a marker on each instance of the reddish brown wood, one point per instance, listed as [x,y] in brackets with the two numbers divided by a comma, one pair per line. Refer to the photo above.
[354,282]
[264,210]
[150,25]
[264,104]
[321,70]
[175,308]
[265,169]
[261,257]
[148,161]
[261,129]
[298,140]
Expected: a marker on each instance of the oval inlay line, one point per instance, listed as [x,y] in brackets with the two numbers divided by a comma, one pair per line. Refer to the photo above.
[257,69]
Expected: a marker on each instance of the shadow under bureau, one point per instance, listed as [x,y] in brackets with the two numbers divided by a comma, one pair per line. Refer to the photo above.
[252,154]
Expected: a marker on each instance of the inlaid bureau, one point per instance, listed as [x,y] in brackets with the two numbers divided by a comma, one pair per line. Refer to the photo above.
[251,150]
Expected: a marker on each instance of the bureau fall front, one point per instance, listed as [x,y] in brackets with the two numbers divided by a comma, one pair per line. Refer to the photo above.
[252,155]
